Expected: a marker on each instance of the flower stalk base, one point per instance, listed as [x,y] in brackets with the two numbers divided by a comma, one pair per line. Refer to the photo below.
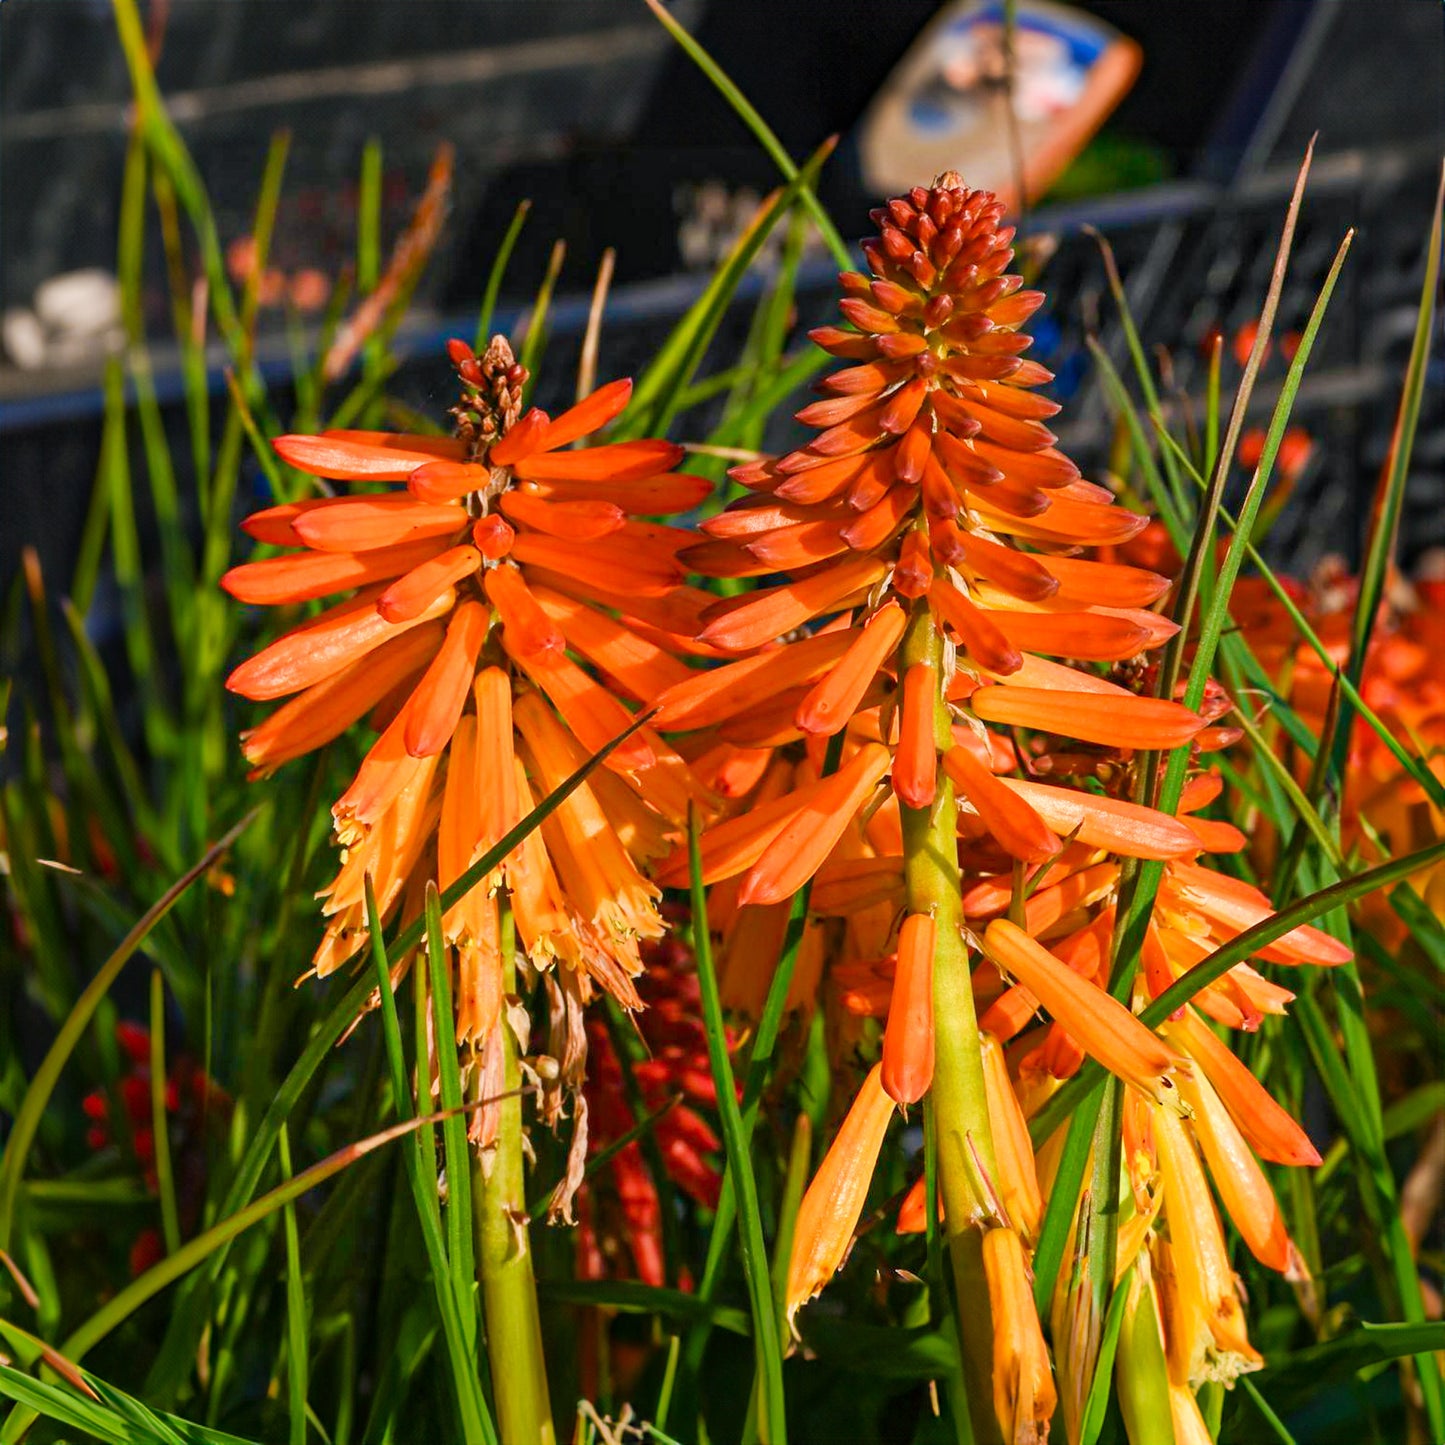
[504,1256]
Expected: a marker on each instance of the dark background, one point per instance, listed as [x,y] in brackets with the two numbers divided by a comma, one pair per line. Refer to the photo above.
[586,107]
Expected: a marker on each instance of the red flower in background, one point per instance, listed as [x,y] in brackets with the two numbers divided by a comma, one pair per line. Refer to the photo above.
[622,1215]
[193,1101]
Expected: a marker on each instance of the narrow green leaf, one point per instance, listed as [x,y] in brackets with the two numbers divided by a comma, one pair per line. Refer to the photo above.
[37,1096]
[772,1423]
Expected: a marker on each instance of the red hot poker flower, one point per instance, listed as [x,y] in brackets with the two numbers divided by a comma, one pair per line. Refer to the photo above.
[491,560]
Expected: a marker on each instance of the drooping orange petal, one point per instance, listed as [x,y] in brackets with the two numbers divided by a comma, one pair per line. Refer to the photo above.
[1101,1025]
[616,461]
[915,764]
[1024,1397]
[908,1039]
[385,773]
[677,612]
[1268,1127]
[1125,828]
[358,524]
[273,525]
[324,711]
[810,835]
[438,700]
[319,648]
[850,885]
[829,1212]
[1243,1189]
[1065,520]
[304,576]
[1022,573]
[1120,721]
[1018,1181]
[1010,818]
[791,548]
[523,438]
[766,615]
[413,594]
[1234,904]
[494,783]
[526,628]
[982,638]
[364,456]
[593,715]
[828,707]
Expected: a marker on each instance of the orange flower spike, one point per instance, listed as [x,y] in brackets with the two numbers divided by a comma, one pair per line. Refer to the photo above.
[810,835]
[1011,819]
[1269,1129]
[1024,1397]
[1243,1189]
[1100,1024]
[915,764]
[829,706]
[1207,1338]
[410,596]
[442,693]
[1018,1181]
[829,1212]
[908,1038]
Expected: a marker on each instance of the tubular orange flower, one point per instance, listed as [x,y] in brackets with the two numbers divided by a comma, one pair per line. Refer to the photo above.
[908,1039]
[1100,1023]
[829,1212]
[1024,1397]
[1245,1192]
[1203,1318]
[882,517]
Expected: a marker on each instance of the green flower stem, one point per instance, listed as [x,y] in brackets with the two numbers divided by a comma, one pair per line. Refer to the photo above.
[504,1253]
[965,1143]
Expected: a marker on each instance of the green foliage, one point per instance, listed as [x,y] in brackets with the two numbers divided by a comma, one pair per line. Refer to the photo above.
[337,1301]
